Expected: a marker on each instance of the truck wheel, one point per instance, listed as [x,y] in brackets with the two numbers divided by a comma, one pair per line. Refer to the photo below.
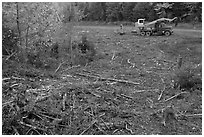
[142,33]
[167,33]
[148,33]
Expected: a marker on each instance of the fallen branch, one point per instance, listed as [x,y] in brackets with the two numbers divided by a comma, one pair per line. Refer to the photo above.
[109,79]
[126,96]
[92,123]
[143,90]
[31,126]
[128,129]
[174,96]
[74,100]
[44,115]
[28,131]
[10,55]
[14,85]
[17,78]
[36,131]
[106,124]
[71,68]
[59,66]
[95,94]
[5,79]
[151,103]
[7,103]
[113,56]
[16,131]
[64,101]
[192,115]
[91,72]
[162,90]
[101,129]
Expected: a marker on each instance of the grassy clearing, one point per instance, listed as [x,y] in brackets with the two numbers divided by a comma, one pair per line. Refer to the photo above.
[116,94]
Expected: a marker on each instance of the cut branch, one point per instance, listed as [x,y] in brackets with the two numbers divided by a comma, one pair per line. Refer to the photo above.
[59,67]
[17,78]
[33,127]
[162,90]
[92,123]
[192,115]
[126,96]
[64,101]
[174,96]
[108,79]
[113,56]
[71,68]
[5,79]
[128,129]
[10,55]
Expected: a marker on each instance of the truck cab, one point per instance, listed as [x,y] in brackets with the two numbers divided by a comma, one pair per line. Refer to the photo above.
[140,23]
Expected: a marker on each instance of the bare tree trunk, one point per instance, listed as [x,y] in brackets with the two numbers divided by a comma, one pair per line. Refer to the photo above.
[18,24]
[179,62]
[23,52]
[27,30]
[71,54]
[70,38]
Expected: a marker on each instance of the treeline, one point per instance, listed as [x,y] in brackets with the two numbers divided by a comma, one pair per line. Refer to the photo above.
[131,11]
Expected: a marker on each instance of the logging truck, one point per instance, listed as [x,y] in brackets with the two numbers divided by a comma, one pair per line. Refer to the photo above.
[158,27]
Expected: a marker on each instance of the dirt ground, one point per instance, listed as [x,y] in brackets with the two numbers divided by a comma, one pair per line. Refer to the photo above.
[126,90]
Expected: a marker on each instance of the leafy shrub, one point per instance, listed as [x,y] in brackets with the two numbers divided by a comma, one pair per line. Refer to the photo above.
[83,51]
[34,60]
[9,41]
[186,79]
[54,50]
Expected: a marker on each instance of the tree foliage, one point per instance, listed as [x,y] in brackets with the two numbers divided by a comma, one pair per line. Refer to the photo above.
[37,21]
[130,11]
[36,28]
[144,10]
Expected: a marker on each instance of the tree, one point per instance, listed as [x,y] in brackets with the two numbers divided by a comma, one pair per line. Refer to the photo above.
[196,10]
[84,10]
[35,24]
[163,9]
[144,10]
[97,11]
[182,10]
[127,10]
[114,11]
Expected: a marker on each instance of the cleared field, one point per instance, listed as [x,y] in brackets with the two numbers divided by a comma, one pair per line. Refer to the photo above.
[149,63]
[127,89]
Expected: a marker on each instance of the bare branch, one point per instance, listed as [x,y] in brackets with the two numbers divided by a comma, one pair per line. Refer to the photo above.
[92,123]
[5,79]
[64,101]
[59,66]
[10,55]
[192,115]
[162,90]
[109,79]
[174,96]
